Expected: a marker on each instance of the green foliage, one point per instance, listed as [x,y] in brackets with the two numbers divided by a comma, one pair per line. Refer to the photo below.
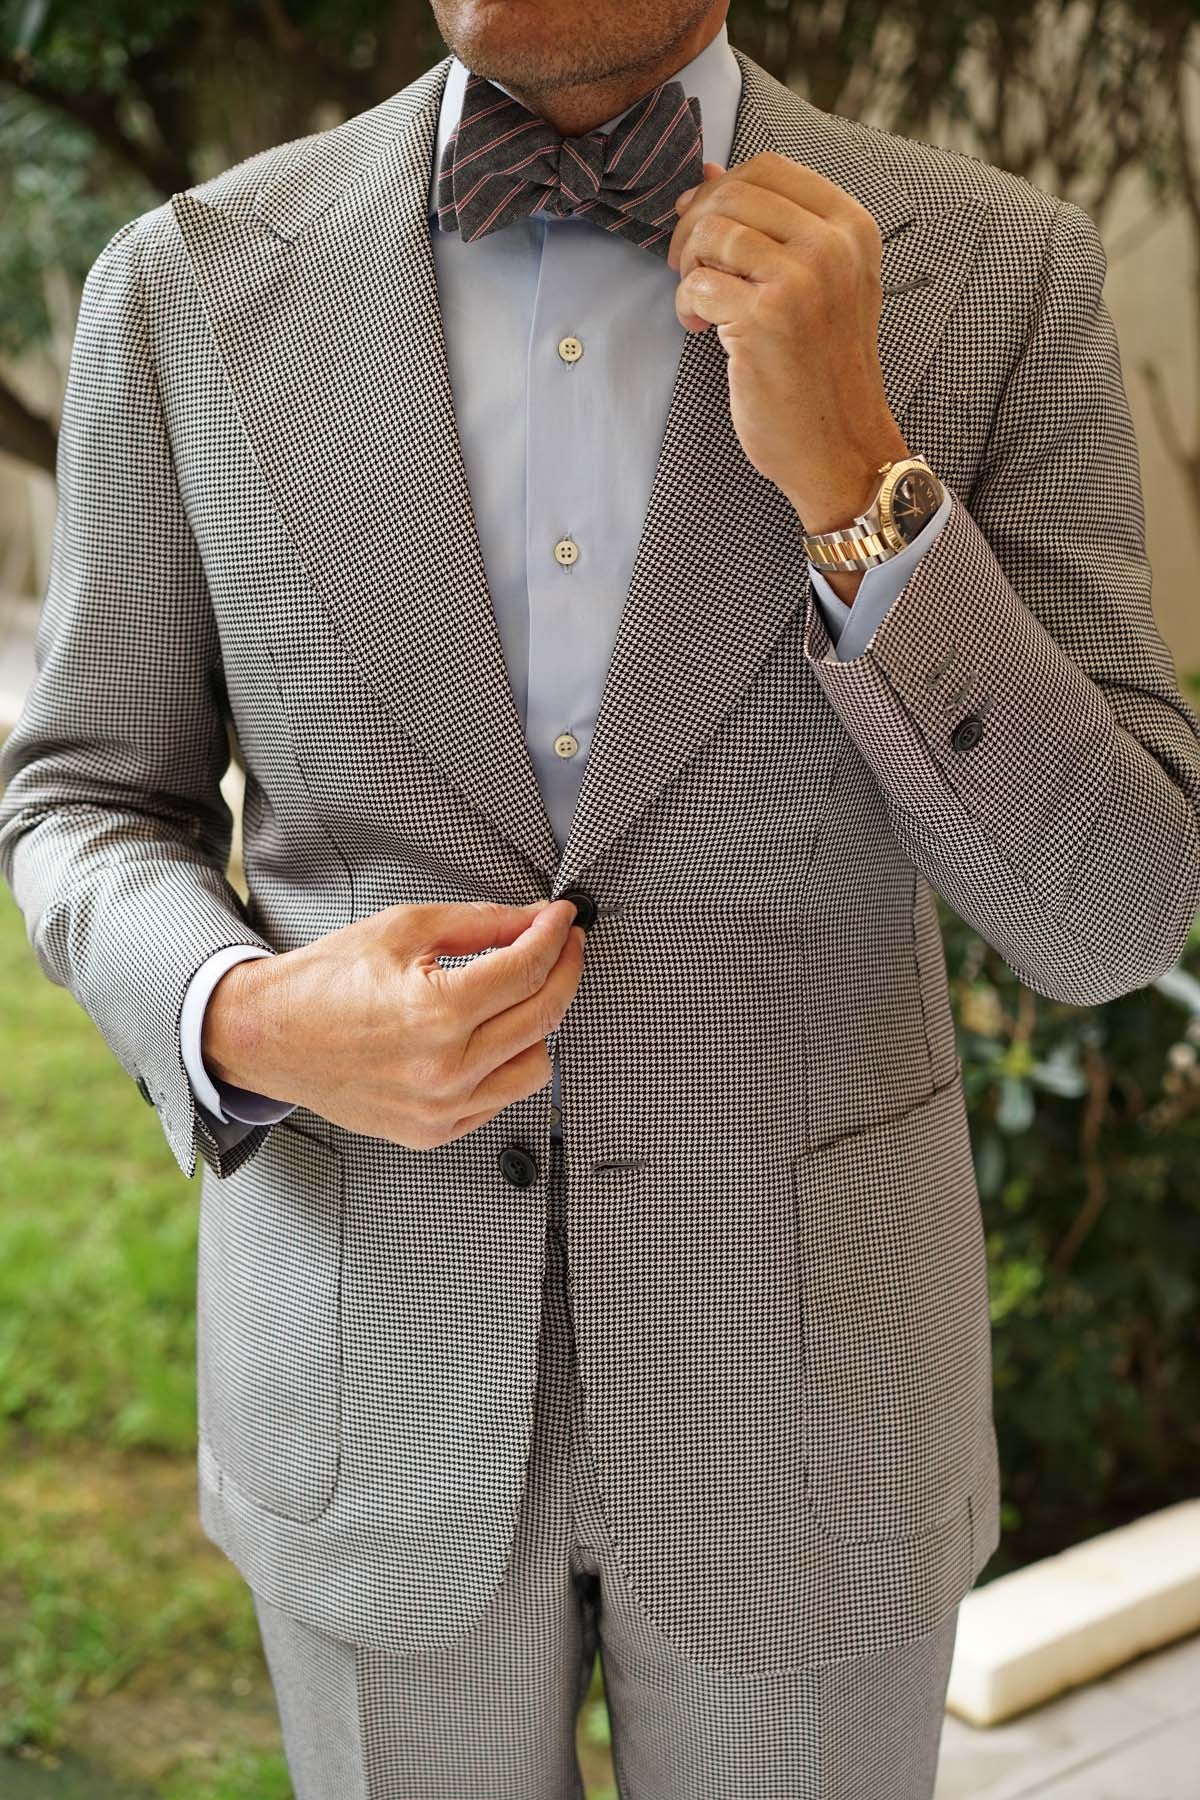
[55,216]
[109,106]
[1086,1130]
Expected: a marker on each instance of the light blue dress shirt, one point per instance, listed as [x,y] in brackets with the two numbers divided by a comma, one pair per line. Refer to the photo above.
[563,345]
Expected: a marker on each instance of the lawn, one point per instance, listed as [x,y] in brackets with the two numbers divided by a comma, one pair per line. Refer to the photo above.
[130,1662]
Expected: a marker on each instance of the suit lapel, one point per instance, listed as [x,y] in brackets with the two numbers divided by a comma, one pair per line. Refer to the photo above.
[720,568]
[323,302]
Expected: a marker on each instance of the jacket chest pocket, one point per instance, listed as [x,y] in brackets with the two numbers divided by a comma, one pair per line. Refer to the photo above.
[269,1322]
[896,1360]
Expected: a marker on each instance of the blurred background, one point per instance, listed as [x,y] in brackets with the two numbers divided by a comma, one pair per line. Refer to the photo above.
[129,1656]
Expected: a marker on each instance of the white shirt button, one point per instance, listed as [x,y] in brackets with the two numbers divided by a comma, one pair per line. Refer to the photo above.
[566,552]
[570,349]
[566,744]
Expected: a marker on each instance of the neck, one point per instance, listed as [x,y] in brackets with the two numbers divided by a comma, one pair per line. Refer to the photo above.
[574,110]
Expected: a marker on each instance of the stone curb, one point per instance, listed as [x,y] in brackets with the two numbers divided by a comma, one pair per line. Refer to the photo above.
[1064,1621]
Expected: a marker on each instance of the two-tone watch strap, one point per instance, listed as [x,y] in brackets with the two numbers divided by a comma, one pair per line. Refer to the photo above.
[850,548]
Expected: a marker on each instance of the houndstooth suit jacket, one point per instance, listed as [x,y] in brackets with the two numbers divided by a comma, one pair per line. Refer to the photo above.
[777,1263]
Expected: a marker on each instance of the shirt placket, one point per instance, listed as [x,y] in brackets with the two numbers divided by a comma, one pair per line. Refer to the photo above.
[564,562]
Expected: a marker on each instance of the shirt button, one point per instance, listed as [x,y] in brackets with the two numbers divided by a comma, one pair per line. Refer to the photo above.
[570,349]
[566,744]
[555,1117]
[566,552]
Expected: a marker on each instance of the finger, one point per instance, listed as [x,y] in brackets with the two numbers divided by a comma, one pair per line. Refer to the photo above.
[530,1020]
[768,213]
[459,926]
[512,972]
[465,1126]
[713,298]
[712,172]
[803,186]
[518,1078]
[735,248]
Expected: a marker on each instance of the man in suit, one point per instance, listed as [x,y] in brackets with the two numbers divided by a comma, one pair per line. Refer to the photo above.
[597,485]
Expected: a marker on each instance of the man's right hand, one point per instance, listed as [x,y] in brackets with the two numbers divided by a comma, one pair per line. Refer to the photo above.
[365,1026]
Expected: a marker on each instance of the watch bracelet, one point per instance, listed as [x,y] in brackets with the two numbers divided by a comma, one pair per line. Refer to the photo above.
[871,547]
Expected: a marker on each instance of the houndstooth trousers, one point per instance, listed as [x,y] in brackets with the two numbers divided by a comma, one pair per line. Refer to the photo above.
[493,1717]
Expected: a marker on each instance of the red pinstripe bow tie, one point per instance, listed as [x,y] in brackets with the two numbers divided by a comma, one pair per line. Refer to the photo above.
[502,162]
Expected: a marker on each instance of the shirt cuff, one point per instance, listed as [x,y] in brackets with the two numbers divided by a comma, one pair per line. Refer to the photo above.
[853,625]
[221,1099]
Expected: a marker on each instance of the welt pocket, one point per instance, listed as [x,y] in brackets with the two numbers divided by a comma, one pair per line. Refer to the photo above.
[311,1129]
[930,1106]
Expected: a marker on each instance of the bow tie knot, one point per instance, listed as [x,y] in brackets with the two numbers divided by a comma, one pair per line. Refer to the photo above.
[578,167]
[503,162]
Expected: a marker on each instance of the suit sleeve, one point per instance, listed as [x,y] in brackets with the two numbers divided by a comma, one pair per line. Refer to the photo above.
[1018,706]
[114,834]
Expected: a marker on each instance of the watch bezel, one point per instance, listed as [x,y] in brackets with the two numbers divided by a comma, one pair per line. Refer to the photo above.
[888,530]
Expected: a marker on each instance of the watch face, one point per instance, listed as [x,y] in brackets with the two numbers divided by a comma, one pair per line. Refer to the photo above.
[915,498]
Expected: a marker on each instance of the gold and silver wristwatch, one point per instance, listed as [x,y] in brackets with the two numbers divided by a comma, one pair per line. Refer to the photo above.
[905,501]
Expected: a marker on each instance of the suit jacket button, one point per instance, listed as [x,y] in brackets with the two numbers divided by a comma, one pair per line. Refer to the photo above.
[967,732]
[144,1091]
[518,1165]
[585,906]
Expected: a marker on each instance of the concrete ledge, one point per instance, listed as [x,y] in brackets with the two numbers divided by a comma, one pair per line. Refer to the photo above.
[1073,1617]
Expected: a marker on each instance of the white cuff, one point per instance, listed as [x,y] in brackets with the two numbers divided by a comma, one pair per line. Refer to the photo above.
[852,624]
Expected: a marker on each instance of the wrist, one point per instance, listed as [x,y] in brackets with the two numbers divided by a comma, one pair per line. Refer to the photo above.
[232,1033]
[843,491]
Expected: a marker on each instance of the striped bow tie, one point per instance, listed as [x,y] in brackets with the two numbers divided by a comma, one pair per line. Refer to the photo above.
[502,162]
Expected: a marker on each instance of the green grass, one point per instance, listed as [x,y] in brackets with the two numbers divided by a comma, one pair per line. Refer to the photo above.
[97,1232]
[130,1661]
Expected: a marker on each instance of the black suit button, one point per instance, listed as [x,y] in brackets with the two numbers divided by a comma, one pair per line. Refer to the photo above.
[144,1091]
[967,732]
[518,1165]
[585,906]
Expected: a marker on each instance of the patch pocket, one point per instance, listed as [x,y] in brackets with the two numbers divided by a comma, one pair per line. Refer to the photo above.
[896,1378]
[268,1322]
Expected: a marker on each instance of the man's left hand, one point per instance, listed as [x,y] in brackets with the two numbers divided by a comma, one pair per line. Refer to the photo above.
[786,265]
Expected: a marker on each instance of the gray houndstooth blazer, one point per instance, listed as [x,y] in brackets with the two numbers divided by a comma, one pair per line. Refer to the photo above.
[777,1261]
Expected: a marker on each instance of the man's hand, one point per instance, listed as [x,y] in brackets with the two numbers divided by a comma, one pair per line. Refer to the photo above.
[365,1026]
[786,264]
